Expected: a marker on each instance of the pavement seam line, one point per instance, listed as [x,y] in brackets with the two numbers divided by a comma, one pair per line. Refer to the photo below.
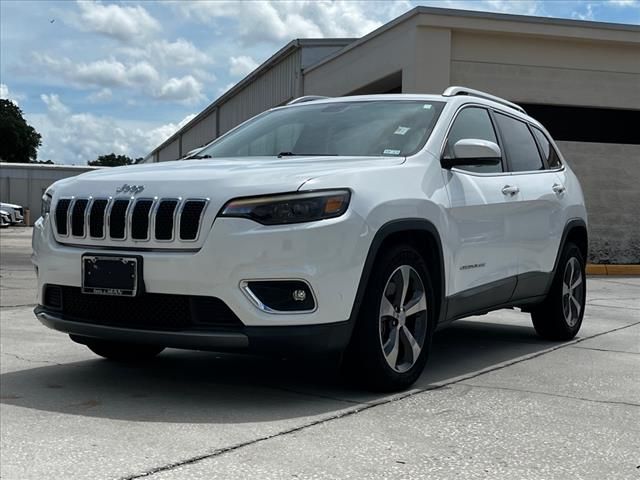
[607,350]
[349,412]
[30,360]
[548,394]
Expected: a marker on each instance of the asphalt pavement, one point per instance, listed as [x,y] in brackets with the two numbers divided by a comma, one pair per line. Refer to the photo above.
[495,402]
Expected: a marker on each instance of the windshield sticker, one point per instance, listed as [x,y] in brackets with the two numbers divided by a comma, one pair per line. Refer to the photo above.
[426,106]
[389,151]
[401,130]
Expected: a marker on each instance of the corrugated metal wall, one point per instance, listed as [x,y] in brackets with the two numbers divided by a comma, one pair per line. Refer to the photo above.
[274,87]
[170,152]
[25,183]
[200,133]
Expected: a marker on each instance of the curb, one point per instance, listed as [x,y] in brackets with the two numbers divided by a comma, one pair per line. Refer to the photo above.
[602,269]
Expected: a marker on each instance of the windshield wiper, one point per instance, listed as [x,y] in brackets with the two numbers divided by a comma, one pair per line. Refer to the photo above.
[296,154]
[198,157]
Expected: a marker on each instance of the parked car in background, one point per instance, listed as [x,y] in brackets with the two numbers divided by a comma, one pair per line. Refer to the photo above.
[357,225]
[5,219]
[15,213]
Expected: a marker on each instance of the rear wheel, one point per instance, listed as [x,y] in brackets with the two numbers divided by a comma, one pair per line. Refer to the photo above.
[123,352]
[393,334]
[559,317]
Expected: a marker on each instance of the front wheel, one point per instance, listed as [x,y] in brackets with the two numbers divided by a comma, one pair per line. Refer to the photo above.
[393,333]
[559,317]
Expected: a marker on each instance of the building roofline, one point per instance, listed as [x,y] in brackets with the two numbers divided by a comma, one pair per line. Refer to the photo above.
[479,15]
[55,166]
[263,67]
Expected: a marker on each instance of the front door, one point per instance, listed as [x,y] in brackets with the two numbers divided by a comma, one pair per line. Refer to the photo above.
[483,209]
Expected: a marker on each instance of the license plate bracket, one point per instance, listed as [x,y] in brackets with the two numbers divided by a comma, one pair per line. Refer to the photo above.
[115,275]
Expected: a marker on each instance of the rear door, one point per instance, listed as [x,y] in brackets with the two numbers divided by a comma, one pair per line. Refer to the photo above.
[539,227]
[481,217]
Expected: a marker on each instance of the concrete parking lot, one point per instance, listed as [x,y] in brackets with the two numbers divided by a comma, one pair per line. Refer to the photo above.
[494,402]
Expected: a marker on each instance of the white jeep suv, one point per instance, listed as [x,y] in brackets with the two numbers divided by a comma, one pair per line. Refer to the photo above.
[356,225]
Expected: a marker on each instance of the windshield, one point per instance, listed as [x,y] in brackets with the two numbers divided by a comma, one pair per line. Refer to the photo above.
[369,128]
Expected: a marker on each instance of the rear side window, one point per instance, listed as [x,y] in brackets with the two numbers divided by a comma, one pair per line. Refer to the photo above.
[549,153]
[522,151]
[472,122]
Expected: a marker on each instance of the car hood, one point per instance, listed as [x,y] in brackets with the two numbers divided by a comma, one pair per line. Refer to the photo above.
[219,179]
[216,180]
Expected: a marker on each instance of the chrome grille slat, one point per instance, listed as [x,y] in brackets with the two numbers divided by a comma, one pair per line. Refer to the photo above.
[78,217]
[96,220]
[191,218]
[62,213]
[161,221]
[166,219]
[118,219]
[140,219]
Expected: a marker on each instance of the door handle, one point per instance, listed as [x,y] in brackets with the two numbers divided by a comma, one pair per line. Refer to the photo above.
[510,190]
[559,189]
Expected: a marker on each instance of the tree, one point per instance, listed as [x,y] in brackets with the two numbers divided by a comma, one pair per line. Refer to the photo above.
[20,141]
[111,160]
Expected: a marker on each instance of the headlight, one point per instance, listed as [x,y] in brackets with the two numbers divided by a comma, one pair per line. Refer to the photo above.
[45,206]
[289,208]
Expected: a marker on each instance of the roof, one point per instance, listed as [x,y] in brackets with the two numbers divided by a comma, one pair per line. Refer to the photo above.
[446,18]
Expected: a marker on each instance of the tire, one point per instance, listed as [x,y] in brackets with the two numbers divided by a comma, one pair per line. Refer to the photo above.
[123,352]
[560,316]
[381,355]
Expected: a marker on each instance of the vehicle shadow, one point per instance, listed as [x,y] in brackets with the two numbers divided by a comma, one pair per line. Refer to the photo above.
[202,387]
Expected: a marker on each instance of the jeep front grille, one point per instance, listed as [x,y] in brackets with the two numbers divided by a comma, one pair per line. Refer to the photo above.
[122,219]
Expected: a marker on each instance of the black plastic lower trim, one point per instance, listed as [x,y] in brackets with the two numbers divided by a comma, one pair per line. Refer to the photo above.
[513,291]
[298,339]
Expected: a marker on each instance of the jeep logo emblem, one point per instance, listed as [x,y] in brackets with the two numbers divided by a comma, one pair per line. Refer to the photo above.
[133,189]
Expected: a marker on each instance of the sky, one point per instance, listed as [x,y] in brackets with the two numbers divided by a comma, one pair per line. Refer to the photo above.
[95,77]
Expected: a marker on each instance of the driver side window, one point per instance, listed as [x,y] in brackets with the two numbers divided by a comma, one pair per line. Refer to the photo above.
[472,122]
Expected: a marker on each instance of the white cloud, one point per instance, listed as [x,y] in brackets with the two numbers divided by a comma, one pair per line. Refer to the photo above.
[159,134]
[226,88]
[122,22]
[186,89]
[101,73]
[103,95]
[76,138]
[521,7]
[55,107]
[282,21]
[242,65]
[625,3]
[584,15]
[113,73]
[10,95]
[180,53]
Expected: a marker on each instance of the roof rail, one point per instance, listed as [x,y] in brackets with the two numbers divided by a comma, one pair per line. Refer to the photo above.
[455,91]
[306,98]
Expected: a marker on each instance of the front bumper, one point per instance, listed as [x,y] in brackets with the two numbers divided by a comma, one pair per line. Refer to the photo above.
[328,255]
[291,339]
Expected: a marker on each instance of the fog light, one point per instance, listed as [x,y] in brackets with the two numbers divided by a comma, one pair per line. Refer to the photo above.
[299,295]
[280,295]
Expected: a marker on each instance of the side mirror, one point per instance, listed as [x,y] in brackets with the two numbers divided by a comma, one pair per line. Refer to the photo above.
[473,151]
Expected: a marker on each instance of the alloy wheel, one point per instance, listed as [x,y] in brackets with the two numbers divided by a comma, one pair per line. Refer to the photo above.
[572,292]
[403,318]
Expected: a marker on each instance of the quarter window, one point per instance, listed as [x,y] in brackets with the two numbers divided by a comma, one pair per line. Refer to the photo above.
[549,153]
[521,148]
[472,122]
